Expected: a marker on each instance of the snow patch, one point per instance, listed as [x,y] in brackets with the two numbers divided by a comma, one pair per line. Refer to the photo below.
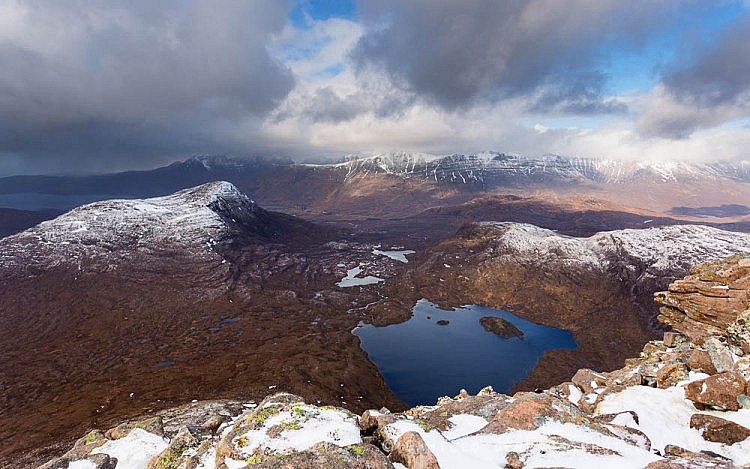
[464,424]
[306,426]
[574,394]
[134,450]
[82,464]
[664,416]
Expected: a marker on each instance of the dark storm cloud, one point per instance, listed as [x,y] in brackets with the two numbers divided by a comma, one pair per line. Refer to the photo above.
[581,96]
[85,81]
[455,52]
[712,90]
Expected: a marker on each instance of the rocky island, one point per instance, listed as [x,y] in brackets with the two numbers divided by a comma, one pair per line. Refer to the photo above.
[500,327]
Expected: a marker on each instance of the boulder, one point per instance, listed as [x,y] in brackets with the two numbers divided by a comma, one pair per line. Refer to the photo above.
[720,355]
[173,455]
[700,361]
[85,445]
[669,375]
[719,430]
[411,451]
[100,461]
[676,457]
[738,333]
[720,390]
[672,339]
[588,380]
[513,460]
[360,456]
[212,423]
[153,425]
[372,419]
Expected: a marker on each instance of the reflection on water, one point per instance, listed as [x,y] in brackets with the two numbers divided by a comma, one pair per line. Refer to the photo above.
[421,360]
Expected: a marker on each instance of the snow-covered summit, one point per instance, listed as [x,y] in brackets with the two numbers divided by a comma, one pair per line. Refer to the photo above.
[487,166]
[651,252]
[195,217]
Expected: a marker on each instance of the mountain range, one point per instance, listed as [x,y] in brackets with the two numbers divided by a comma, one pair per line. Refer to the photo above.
[124,307]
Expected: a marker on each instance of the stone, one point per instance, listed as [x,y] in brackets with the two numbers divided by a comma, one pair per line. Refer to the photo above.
[372,419]
[172,456]
[672,339]
[153,425]
[648,371]
[411,451]
[327,455]
[500,327]
[720,390]
[653,347]
[529,411]
[100,461]
[608,418]
[738,333]
[680,458]
[513,461]
[588,380]
[84,446]
[213,423]
[719,430]
[720,355]
[700,361]
[670,375]
[486,391]
[628,376]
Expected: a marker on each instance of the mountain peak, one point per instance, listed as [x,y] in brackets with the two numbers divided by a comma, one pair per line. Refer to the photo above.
[195,218]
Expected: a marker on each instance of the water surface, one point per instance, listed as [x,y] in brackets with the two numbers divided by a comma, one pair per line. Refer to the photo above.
[421,360]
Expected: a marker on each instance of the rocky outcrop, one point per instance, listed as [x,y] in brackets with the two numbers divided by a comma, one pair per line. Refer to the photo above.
[709,300]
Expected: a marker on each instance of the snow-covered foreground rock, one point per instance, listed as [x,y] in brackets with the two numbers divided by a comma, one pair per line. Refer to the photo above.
[682,403]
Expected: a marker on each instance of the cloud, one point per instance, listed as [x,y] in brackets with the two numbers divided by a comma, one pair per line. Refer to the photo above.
[711,91]
[457,53]
[125,80]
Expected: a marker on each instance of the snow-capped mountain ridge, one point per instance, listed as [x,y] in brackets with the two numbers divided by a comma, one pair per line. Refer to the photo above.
[197,217]
[486,166]
[654,250]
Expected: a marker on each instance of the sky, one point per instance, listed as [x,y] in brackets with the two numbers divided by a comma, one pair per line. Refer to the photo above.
[128,84]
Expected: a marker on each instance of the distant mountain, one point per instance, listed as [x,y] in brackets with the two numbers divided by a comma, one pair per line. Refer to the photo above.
[488,168]
[400,184]
[148,183]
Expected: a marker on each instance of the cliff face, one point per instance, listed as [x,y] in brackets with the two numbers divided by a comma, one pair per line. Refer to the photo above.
[709,299]
[682,403]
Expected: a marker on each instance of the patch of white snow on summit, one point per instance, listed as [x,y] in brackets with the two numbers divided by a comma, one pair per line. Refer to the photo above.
[664,416]
[464,424]
[553,444]
[135,450]
[308,426]
[82,464]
